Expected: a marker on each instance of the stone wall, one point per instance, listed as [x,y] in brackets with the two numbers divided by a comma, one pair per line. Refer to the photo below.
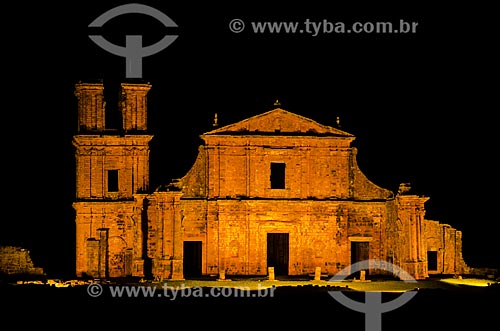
[275,179]
[109,241]
[17,261]
[446,243]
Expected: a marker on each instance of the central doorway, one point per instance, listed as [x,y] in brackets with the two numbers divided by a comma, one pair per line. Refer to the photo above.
[360,251]
[277,253]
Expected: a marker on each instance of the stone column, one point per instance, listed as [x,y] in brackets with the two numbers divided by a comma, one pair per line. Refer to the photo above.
[178,242]
[317,273]
[103,271]
[410,212]
[270,271]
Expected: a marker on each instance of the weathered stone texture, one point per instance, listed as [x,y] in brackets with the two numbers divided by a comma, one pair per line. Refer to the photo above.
[109,238]
[230,214]
[91,112]
[447,242]
[17,261]
[96,155]
[133,106]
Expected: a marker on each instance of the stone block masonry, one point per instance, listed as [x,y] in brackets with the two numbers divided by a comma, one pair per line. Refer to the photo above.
[276,191]
[17,261]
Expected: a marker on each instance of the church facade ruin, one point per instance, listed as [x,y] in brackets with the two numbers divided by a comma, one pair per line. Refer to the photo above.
[274,190]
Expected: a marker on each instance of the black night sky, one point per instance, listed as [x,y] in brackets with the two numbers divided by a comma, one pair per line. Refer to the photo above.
[421,105]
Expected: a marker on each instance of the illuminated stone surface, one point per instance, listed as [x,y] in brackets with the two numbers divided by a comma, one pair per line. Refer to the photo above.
[275,190]
[17,261]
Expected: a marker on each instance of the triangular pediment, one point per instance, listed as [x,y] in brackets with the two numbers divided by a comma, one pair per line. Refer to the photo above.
[278,122]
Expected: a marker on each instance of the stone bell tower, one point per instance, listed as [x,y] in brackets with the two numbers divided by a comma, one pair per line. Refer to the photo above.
[112,165]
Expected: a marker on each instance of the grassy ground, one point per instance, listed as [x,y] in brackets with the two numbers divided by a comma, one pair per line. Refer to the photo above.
[378,285]
[366,286]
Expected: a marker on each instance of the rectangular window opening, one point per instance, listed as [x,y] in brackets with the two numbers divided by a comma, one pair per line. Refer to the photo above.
[112,180]
[277,175]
